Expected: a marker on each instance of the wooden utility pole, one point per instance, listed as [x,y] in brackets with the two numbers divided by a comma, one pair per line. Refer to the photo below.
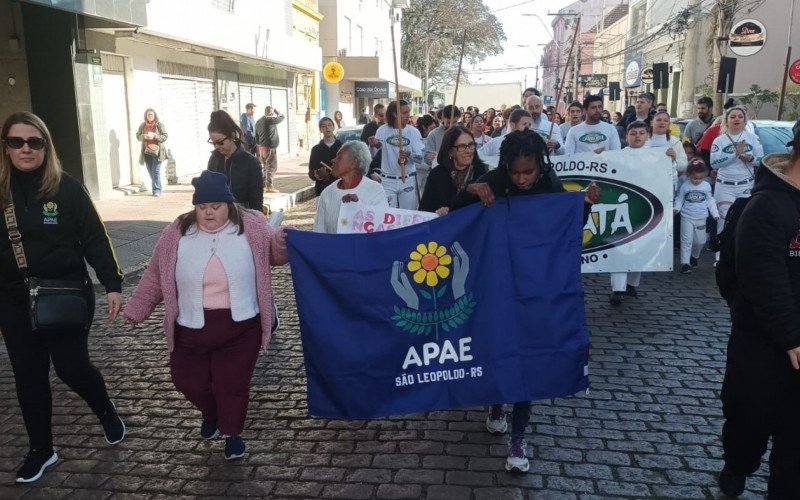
[458,80]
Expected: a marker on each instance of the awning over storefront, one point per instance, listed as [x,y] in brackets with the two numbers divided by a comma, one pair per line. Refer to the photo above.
[375,69]
[145,36]
[124,12]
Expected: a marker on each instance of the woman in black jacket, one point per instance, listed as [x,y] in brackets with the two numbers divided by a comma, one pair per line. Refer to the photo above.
[242,169]
[761,390]
[458,166]
[59,230]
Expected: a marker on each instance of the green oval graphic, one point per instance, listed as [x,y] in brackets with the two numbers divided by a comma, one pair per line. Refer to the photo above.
[393,140]
[730,149]
[626,212]
[593,138]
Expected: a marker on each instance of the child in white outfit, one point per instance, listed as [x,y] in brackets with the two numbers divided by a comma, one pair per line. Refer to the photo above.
[694,202]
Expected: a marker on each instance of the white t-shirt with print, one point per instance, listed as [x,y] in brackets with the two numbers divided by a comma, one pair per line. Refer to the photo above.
[585,138]
[412,141]
[696,202]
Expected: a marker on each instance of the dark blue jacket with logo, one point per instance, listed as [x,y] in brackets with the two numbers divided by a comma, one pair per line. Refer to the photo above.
[57,234]
[766,305]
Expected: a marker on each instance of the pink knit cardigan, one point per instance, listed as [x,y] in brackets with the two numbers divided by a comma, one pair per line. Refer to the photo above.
[158,282]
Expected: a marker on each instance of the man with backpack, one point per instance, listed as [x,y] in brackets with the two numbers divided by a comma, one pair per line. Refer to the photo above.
[761,390]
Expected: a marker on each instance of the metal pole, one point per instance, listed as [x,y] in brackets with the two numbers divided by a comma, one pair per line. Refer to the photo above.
[537,77]
[725,90]
[788,62]
[427,68]
[578,55]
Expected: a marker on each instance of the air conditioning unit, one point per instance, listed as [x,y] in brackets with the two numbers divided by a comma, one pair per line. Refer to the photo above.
[401,4]
[342,52]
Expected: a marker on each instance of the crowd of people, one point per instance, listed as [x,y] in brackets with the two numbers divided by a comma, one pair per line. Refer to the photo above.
[217,320]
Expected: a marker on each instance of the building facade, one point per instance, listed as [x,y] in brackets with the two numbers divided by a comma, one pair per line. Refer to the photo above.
[357,35]
[591,15]
[184,63]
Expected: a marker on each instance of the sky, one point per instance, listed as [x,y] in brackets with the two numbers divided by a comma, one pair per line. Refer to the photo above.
[520,30]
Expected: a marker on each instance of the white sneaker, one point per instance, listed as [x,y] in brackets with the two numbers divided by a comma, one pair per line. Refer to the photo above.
[517,461]
[496,421]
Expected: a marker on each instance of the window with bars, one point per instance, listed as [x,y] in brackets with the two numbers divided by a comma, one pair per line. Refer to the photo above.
[224,5]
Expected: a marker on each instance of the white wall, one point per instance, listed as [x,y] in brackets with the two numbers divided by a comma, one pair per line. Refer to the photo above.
[260,28]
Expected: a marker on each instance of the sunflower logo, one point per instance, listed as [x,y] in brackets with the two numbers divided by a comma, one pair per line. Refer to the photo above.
[430,263]
[434,268]
[50,209]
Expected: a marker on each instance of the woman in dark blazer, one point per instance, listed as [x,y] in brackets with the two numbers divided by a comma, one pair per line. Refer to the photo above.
[458,166]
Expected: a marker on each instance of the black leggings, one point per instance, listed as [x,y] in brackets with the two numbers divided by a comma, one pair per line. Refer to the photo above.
[30,355]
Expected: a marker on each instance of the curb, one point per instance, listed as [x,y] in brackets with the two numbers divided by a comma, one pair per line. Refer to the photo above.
[286,201]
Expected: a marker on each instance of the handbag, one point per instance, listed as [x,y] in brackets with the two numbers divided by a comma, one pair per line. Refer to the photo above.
[53,305]
[152,149]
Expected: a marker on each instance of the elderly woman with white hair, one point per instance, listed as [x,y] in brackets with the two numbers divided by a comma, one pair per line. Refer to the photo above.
[350,167]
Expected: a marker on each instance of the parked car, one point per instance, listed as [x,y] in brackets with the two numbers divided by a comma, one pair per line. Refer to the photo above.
[353,133]
[773,135]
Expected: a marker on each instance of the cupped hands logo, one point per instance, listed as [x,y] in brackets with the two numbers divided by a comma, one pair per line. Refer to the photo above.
[433,271]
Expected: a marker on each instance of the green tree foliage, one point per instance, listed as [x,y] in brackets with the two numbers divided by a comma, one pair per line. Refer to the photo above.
[437,27]
[756,99]
[792,102]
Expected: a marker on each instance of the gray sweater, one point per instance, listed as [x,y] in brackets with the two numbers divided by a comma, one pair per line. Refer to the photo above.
[695,128]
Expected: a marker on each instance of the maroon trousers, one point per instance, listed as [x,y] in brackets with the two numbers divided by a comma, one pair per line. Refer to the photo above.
[213,366]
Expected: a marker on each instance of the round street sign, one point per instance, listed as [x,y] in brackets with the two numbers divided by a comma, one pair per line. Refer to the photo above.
[794,72]
[647,75]
[633,73]
[747,37]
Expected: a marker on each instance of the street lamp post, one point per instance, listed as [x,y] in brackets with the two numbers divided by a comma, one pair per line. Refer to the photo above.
[533,49]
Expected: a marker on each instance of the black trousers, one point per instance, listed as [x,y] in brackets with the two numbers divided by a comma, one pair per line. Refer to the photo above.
[761,400]
[30,354]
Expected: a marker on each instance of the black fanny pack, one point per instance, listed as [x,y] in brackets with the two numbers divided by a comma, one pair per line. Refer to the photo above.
[58,305]
[53,305]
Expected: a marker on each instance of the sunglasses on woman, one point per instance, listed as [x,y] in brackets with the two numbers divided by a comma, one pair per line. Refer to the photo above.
[35,143]
[219,142]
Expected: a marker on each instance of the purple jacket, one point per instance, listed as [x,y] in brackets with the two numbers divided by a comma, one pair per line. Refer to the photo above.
[158,282]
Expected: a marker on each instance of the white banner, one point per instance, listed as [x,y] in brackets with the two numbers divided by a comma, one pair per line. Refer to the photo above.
[358,218]
[631,228]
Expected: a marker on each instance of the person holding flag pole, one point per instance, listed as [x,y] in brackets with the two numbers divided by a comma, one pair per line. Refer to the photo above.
[395,135]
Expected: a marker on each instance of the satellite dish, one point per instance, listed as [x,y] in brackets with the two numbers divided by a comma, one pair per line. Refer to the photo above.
[333,72]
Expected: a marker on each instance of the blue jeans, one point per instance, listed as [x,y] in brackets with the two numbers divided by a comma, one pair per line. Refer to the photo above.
[153,165]
[519,418]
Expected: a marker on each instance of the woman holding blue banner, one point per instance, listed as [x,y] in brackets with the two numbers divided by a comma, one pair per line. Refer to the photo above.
[524,168]
[350,167]
[211,268]
[458,166]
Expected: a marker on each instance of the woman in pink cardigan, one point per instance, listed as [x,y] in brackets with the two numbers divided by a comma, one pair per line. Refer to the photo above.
[215,320]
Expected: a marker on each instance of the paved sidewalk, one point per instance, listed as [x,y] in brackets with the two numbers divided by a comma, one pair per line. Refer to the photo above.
[649,428]
[135,221]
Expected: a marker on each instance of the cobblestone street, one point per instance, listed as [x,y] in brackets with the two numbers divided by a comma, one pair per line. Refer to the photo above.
[649,428]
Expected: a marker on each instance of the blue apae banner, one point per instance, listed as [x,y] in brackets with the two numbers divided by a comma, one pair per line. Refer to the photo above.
[478,307]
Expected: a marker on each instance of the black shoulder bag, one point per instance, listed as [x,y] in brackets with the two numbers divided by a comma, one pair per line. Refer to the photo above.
[54,305]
